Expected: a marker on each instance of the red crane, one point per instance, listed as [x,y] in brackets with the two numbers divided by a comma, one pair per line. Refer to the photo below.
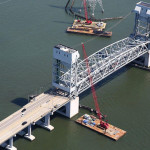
[85,12]
[102,123]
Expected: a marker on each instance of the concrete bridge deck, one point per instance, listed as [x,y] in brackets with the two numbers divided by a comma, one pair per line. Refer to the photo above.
[35,110]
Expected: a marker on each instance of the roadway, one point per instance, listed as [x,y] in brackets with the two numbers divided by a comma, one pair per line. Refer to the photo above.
[35,110]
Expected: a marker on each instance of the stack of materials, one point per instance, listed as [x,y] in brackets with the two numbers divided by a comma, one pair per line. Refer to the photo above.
[89,120]
[93,123]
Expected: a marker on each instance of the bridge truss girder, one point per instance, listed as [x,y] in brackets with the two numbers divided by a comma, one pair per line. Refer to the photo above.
[103,63]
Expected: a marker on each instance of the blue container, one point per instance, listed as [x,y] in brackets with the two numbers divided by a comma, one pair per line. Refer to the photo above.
[85,121]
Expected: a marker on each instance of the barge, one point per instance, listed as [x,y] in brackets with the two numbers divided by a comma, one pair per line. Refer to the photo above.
[92,28]
[92,122]
[90,24]
[89,32]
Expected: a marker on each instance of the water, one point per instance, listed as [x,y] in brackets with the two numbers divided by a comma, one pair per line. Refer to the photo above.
[28,31]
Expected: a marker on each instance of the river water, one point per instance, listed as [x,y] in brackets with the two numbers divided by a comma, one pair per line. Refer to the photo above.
[29,30]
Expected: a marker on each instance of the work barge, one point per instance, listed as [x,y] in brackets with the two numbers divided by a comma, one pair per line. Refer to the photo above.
[89,27]
[92,123]
[93,28]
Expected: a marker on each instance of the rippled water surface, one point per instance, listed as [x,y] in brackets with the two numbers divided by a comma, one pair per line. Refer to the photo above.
[29,30]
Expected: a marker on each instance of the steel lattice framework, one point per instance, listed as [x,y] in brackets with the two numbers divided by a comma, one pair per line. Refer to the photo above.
[93,4]
[103,63]
[109,59]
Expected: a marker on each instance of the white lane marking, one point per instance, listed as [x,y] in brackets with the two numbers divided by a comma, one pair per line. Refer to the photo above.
[33,106]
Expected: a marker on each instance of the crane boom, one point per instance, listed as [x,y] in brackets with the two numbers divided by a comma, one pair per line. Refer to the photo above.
[86,13]
[103,124]
[85,10]
[91,82]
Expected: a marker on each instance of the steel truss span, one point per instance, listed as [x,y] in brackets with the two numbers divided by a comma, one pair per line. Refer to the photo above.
[103,63]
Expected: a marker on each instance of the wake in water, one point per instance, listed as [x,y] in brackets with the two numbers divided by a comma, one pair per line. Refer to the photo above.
[5,2]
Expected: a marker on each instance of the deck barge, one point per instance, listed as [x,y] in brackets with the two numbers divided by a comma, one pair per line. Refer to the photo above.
[112,131]
[88,32]
[94,28]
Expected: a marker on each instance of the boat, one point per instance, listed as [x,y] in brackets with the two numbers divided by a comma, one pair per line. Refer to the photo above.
[88,31]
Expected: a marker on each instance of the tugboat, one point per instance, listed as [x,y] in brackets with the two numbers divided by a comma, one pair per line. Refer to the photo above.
[102,33]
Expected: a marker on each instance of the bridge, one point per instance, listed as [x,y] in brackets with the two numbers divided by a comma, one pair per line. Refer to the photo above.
[40,107]
[70,78]
[71,74]
[102,63]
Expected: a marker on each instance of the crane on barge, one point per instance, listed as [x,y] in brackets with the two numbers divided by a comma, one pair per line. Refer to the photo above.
[103,124]
[85,12]
[87,26]
[92,5]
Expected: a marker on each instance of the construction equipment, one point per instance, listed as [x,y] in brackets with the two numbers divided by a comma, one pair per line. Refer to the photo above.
[103,124]
[85,12]
[93,3]
[88,27]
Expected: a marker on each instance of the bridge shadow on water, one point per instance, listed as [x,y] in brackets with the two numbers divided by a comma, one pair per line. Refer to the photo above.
[59,7]
[23,101]
[105,81]
[20,101]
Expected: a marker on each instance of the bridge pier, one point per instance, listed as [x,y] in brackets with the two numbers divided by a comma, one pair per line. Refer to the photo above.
[71,108]
[10,146]
[46,123]
[29,136]
[147,59]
